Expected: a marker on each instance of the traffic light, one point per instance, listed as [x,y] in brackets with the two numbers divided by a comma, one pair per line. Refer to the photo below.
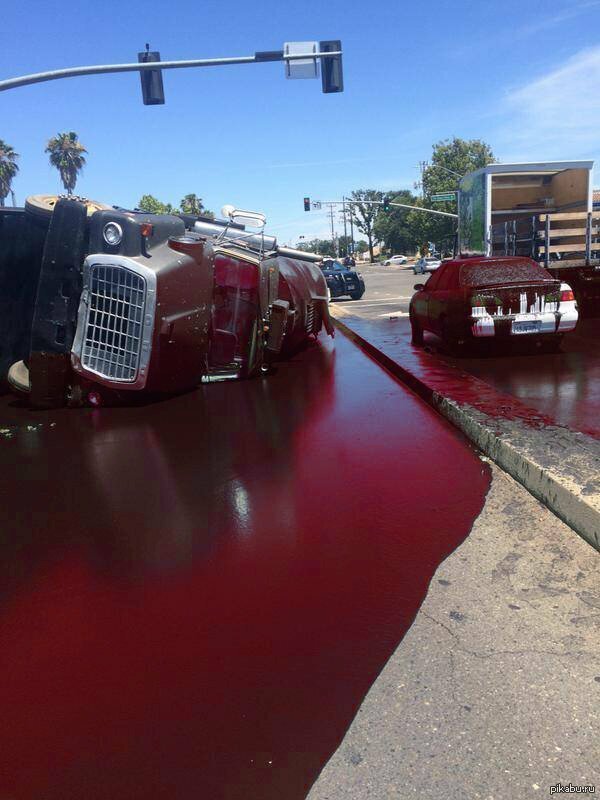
[386,203]
[307,203]
[152,83]
[332,78]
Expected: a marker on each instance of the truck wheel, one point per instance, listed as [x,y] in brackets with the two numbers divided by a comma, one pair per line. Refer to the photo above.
[356,295]
[416,331]
[42,205]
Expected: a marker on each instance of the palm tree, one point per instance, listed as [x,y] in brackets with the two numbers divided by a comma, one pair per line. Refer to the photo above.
[192,204]
[8,169]
[66,154]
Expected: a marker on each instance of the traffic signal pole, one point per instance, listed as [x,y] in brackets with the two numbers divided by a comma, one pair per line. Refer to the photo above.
[382,202]
[103,69]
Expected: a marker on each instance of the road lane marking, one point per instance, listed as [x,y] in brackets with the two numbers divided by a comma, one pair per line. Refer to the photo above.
[382,300]
[391,314]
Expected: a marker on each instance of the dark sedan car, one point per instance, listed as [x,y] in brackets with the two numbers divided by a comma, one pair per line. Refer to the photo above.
[342,281]
[475,298]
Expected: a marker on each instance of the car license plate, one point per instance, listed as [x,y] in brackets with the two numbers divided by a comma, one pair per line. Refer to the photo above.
[526,327]
[350,286]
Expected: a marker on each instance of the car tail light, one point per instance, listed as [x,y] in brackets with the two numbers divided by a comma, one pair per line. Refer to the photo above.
[566,295]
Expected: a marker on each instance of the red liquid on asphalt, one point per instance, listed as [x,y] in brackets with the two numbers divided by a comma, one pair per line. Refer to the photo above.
[526,385]
[197,594]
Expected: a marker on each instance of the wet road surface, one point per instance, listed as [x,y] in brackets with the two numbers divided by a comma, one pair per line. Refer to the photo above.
[562,388]
[197,594]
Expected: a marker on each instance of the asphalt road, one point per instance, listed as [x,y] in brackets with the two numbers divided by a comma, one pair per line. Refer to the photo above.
[197,594]
[387,292]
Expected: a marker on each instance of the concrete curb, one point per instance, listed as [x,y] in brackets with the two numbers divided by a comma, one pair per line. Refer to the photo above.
[559,467]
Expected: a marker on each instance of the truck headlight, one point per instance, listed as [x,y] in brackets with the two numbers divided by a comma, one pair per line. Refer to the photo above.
[112,234]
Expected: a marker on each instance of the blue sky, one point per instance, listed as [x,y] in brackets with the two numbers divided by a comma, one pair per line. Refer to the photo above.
[521,74]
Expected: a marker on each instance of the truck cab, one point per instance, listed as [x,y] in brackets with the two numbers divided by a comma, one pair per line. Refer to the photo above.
[101,305]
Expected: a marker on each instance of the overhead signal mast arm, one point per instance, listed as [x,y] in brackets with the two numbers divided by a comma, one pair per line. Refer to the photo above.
[335,56]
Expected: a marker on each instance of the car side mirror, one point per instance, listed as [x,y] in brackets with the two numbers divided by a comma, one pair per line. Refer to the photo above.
[418,286]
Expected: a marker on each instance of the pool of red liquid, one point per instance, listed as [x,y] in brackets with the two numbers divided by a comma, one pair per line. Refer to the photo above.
[196,595]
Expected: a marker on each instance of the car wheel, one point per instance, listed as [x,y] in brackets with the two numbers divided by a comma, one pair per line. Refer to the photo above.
[450,338]
[416,331]
[356,295]
[552,343]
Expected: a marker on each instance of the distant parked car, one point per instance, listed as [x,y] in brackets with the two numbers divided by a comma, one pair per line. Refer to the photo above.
[492,297]
[427,264]
[395,260]
[342,280]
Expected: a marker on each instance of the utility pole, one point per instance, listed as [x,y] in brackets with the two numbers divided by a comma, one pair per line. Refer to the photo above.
[423,166]
[345,228]
[335,250]
[352,231]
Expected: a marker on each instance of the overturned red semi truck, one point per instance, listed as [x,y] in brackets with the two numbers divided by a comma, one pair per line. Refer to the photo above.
[100,305]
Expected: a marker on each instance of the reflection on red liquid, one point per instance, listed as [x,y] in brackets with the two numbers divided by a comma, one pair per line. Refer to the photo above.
[509,382]
[198,594]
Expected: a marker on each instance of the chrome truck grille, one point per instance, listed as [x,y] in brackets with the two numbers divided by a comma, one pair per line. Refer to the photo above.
[115,322]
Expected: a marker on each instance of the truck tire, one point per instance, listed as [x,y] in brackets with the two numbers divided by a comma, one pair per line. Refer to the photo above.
[356,295]
[42,205]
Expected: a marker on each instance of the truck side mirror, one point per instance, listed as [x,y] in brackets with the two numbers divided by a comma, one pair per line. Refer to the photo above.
[418,287]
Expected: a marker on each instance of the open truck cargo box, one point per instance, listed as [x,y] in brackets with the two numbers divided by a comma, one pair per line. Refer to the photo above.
[539,210]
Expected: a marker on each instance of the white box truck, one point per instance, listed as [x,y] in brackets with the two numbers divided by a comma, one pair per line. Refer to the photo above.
[540,210]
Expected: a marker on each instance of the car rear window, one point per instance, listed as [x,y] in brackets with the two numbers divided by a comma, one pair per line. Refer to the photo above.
[495,273]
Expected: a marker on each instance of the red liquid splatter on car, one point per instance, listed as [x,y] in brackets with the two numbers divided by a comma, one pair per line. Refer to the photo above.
[197,594]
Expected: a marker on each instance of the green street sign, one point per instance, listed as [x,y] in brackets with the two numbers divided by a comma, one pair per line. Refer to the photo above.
[445,196]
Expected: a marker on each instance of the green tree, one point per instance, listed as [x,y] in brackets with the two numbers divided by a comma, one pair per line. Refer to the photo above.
[451,159]
[66,154]
[192,204]
[152,205]
[393,227]
[8,169]
[365,214]
[323,247]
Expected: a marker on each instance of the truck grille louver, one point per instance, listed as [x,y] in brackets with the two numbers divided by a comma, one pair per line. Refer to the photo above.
[310,317]
[313,318]
[114,324]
